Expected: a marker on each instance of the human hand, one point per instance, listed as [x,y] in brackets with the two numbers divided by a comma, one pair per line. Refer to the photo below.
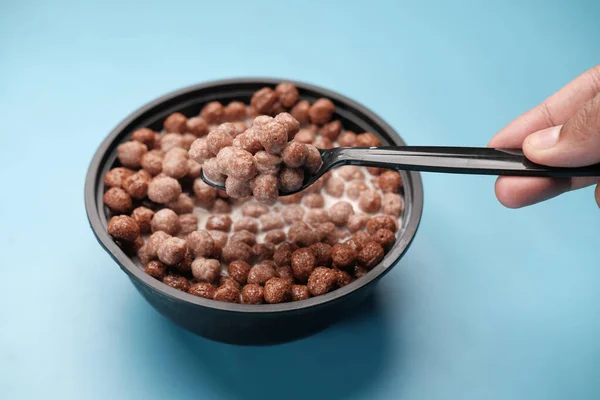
[563,131]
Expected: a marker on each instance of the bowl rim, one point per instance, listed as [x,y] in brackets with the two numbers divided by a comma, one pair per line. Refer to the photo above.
[414,201]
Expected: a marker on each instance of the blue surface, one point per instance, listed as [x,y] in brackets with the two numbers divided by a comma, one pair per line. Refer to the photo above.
[489,303]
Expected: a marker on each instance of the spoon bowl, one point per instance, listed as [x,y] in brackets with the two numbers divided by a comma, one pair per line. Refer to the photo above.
[459,160]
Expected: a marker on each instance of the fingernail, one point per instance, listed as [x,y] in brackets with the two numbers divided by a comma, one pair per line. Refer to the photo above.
[544,139]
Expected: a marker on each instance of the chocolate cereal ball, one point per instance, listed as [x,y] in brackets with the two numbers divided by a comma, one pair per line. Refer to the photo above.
[164,190]
[218,139]
[313,200]
[236,251]
[367,139]
[265,188]
[263,100]
[145,136]
[188,223]
[254,209]
[203,289]
[238,271]
[287,94]
[300,112]
[335,187]
[343,256]
[261,273]
[358,240]
[291,179]
[228,294]
[385,238]
[357,222]
[124,228]
[234,111]
[369,201]
[183,205]
[322,143]
[171,141]
[197,126]
[177,282]
[321,281]
[137,184]
[294,155]
[342,278]
[206,270]
[244,236]
[340,212]
[267,163]
[241,165]
[277,290]
[392,204]
[200,243]
[292,213]
[118,200]
[300,292]
[272,136]
[116,176]
[283,254]
[285,272]
[130,153]
[370,255]
[263,251]
[154,242]
[246,224]
[303,262]
[252,294]
[350,173]
[347,139]
[381,222]
[212,171]
[355,188]
[219,223]
[275,237]
[390,181]
[212,112]
[172,250]
[317,216]
[313,159]
[322,252]
[205,194]
[321,111]
[290,124]
[176,122]
[331,130]
[143,217]
[175,163]
[165,220]
[194,169]
[238,189]
[302,235]
[306,136]
[271,221]
[152,162]
[199,150]
[248,141]
[156,269]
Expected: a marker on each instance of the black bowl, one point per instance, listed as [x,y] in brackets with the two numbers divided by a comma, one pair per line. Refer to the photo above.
[240,323]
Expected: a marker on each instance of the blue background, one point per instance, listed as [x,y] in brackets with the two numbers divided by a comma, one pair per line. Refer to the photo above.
[489,303]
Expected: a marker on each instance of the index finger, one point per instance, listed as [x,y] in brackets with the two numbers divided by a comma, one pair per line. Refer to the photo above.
[553,111]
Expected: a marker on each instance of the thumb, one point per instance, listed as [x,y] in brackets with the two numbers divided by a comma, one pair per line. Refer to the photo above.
[574,144]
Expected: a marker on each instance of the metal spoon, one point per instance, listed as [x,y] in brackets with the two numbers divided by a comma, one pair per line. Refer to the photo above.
[458,160]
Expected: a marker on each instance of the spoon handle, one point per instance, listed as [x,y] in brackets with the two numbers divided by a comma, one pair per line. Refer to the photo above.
[459,160]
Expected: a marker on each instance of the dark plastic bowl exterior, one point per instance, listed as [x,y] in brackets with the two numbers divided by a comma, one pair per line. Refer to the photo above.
[240,323]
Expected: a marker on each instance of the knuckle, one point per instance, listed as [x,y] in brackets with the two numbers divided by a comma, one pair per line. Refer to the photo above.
[549,119]
[586,123]
[594,74]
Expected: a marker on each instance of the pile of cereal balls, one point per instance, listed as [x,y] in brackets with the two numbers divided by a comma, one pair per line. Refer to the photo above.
[247,245]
